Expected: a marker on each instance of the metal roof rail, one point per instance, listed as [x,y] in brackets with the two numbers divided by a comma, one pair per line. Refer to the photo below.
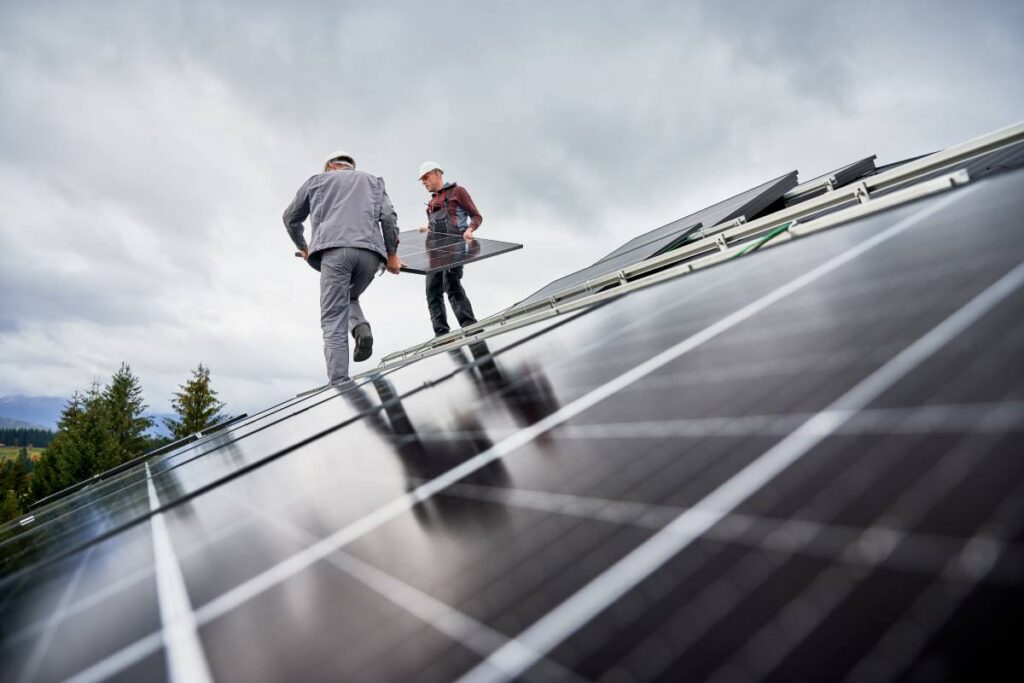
[740,237]
[710,242]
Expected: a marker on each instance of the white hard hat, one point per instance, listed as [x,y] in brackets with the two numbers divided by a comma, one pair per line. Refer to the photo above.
[340,155]
[428,166]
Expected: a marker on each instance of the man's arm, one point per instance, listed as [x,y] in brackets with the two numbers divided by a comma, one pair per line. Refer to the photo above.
[293,216]
[389,228]
[475,218]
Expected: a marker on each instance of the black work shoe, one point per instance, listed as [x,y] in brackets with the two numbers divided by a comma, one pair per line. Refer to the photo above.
[364,342]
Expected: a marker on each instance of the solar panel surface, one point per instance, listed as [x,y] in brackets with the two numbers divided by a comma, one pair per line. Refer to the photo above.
[801,464]
[430,252]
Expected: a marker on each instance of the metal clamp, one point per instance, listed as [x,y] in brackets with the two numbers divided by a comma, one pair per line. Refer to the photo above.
[860,192]
[720,242]
[708,230]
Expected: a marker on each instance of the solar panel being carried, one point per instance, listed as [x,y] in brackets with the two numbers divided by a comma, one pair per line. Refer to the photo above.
[799,464]
[430,252]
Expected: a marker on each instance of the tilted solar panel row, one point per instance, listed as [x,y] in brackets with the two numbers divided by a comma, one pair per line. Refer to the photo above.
[801,464]
[748,204]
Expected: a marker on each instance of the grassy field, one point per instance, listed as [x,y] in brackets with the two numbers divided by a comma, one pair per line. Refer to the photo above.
[11,453]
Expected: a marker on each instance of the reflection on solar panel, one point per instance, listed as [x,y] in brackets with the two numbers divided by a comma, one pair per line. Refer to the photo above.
[800,465]
[430,252]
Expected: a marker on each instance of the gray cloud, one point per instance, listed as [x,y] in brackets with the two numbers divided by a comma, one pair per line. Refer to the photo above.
[149,149]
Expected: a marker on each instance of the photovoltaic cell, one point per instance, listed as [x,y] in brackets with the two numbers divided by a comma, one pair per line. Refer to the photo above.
[412,526]
[431,252]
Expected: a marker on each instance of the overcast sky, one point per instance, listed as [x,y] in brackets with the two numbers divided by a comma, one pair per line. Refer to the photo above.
[148,150]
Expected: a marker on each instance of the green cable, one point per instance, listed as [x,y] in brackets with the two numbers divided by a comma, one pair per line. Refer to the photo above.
[767,238]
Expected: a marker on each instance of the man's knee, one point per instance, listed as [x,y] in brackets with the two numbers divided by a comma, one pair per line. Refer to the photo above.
[331,324]
[455,289]
[434,285]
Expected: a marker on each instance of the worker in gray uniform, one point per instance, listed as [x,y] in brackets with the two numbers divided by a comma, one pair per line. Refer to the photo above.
[354,231]
[451,211]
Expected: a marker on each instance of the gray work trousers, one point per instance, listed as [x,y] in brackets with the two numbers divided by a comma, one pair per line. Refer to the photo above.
[345,273]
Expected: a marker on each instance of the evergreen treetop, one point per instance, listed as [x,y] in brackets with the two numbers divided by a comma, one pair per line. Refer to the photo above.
[125,407]
[100,429]
[89,440]
[196,405]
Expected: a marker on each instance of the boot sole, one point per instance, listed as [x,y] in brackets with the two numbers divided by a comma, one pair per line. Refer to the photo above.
[364,349]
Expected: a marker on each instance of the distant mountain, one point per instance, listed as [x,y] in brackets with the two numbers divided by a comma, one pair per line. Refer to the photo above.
[8,423]
[41,411]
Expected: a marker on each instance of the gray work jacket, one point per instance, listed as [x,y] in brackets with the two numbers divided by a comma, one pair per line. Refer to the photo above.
[347,208]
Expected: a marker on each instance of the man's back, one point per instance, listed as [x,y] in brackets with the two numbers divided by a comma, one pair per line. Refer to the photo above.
[347,208]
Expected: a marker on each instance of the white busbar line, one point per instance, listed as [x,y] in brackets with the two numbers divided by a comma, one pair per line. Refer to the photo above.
[186,661]
[457,625]
[300,561]
[291,566]
[572,614]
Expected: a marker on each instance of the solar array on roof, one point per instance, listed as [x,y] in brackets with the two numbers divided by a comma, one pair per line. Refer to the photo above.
[746,204]
[995,161]
[801,464]
[829,181]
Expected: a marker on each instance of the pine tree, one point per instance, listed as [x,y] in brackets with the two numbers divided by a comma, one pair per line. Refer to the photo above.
[98,450]
[14,486]
[22,466]
[73,410]
[8,475]
[196,405]
[123,398]
[97,430]
[10,505]
[25,460]
[49,474]
[88,446]
[46,475]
